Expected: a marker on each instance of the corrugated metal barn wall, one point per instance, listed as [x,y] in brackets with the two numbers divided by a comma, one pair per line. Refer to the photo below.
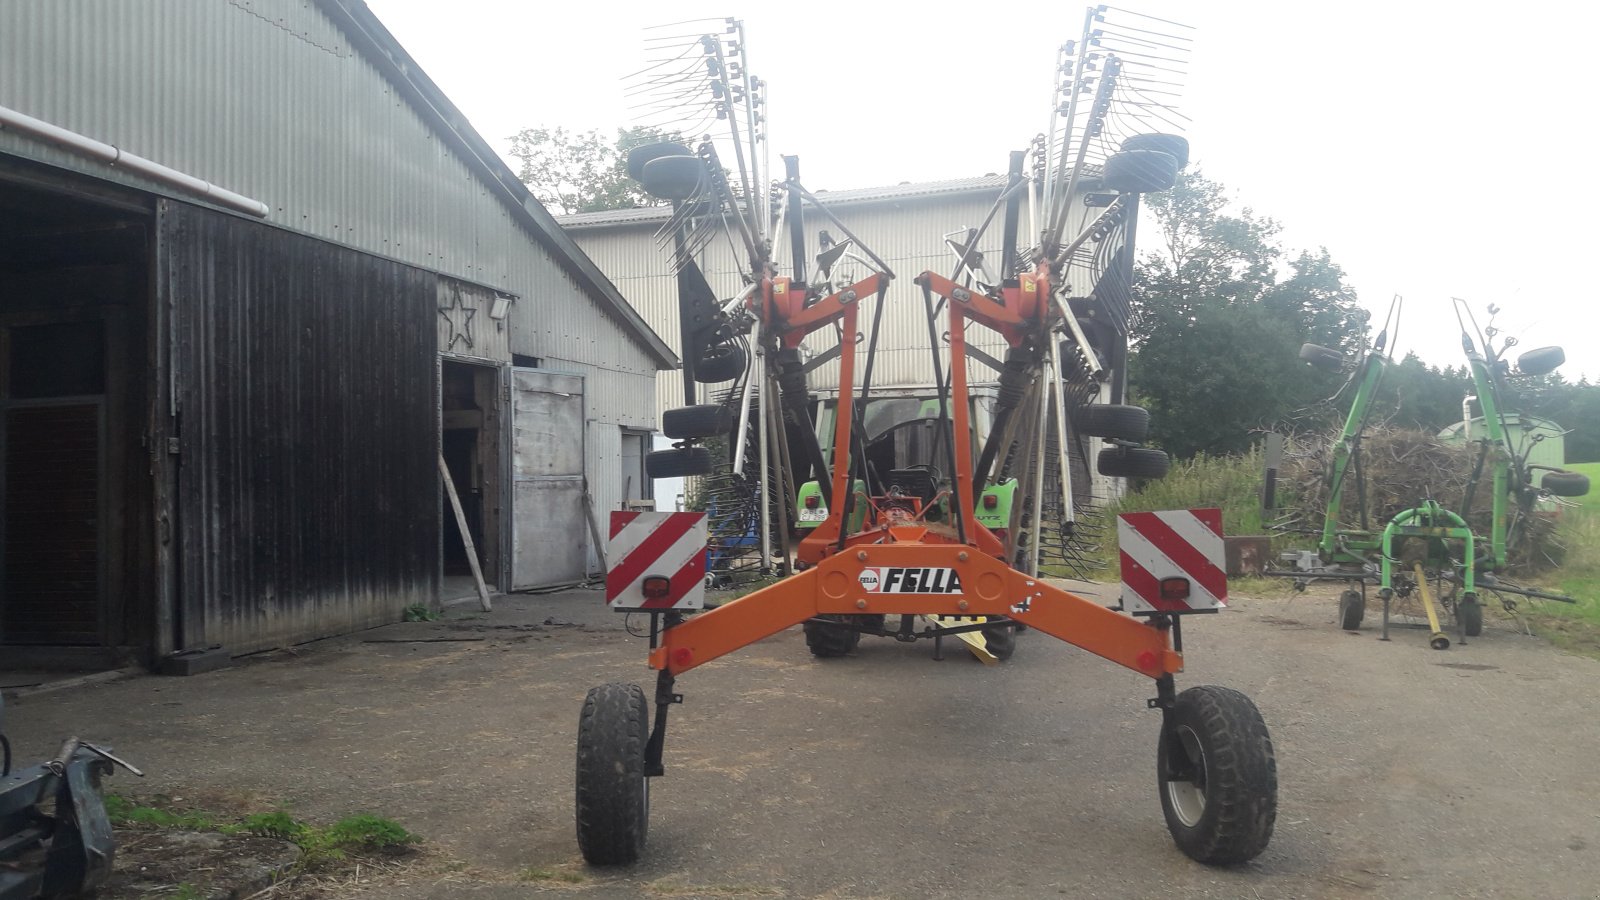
[270,99]
[307,499]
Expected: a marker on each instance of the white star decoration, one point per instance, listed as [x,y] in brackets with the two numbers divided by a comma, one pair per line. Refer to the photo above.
[459,318]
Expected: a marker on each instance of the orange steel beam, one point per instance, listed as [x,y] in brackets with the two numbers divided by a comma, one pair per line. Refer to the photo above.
[842,417]
[975,585]
[961,439]
[1011,322]
[802,320]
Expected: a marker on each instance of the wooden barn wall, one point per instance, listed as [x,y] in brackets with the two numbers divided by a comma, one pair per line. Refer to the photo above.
[303,381]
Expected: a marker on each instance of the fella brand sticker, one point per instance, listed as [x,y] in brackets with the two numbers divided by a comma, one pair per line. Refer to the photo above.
[910,580]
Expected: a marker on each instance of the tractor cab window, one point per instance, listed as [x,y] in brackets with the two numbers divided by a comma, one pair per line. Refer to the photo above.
[903,432]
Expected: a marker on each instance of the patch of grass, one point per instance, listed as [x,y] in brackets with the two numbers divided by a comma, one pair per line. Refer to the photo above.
[368,833]
[275,824]
[418,612]
[361,834]
[123,811]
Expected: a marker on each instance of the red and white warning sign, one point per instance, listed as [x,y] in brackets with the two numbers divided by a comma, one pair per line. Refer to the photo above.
[656,560]
[1172,561]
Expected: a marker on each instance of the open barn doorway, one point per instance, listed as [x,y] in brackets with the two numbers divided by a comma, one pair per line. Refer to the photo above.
[76,557]
[472,431]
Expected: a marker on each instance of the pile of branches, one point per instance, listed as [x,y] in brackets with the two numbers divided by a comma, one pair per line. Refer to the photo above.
[1400,468]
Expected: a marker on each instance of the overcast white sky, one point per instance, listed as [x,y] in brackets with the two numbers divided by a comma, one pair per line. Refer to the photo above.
[1437,149]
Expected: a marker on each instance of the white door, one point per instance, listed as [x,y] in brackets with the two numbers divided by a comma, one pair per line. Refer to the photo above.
[549,536]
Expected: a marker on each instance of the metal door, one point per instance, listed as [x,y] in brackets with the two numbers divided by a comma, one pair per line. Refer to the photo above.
[548,532]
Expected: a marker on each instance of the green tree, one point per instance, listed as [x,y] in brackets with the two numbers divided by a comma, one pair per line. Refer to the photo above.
[1219,319]
[572,172]
[1417,395]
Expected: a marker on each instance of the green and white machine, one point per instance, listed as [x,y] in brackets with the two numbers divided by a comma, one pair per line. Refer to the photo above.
[1429,541]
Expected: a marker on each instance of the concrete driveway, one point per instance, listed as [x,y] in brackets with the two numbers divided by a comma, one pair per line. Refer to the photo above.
[1404,772]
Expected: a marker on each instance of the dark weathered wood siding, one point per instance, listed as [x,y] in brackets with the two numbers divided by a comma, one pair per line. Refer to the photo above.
[307,431]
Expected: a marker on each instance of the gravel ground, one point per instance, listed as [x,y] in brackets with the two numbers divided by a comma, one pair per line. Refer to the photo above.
[1404,772]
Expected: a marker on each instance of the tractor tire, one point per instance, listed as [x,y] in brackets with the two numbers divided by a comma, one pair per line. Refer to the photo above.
[1541,360]
[673,177]
[828,641]
[1109,420]
[1133,462]
[1217,776]
[1140,171]
[639,157]
[719,363]
[1565,484]
[701,421]
[1000,640]
[613,795]
[679,462]
[1325,358]
[1470,614]
[1173,145]
[1352,609]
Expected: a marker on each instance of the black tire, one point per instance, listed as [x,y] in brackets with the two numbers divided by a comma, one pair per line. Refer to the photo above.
[1565,484]
[613,795]
[1140,171]
[1109,420]
[1000,640]
[1325,358]
[679,462]
[1541,360]
[828,641]
[673,177]
[1352,609]
[719,363]
[1217,776]
[1133,462]
[1470,614]
[639,157]
[696,421]
[1174,145]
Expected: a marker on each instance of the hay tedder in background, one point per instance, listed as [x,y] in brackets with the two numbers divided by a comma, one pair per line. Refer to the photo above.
[898,525]
[1430,552]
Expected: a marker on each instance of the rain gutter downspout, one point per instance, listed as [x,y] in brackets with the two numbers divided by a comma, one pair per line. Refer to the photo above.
[103,152]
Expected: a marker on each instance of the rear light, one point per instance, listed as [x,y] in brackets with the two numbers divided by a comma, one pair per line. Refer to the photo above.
[990,501]
[657,587]
[813,501]
[1175,589]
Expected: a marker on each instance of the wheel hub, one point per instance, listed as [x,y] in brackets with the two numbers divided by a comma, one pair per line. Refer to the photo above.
[1188,795]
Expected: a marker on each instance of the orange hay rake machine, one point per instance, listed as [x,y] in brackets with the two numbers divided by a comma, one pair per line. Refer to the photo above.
[908,541]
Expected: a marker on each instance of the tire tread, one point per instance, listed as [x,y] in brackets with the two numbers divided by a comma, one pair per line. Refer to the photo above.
[612,732]
[1240,762]
[828,641]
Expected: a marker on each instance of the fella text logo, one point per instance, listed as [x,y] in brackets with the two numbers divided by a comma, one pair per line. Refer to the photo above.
[910,580]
